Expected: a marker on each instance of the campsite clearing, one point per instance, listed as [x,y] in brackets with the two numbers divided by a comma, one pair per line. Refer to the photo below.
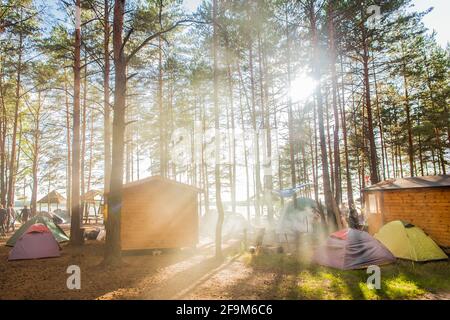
[196,275]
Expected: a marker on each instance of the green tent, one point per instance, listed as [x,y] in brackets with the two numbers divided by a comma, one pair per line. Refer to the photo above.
[57,232]
[407,241]
[302,204]
[298,219]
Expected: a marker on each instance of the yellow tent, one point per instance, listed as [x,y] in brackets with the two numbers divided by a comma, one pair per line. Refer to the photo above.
[407,241]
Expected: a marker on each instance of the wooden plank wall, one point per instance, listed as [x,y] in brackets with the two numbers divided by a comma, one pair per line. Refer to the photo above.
[428,208]
[159,215]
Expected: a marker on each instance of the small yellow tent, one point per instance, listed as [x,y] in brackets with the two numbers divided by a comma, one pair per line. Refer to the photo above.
[407,241]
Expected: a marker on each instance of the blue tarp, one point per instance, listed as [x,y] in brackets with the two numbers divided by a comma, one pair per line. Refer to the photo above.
[286,193]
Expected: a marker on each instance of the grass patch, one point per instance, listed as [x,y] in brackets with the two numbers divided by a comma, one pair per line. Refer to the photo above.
[303,280]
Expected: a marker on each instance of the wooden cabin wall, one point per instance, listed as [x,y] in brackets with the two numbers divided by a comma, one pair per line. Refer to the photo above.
[429,209]
[159,215]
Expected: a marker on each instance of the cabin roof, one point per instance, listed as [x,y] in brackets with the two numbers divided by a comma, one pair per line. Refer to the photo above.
[160,179]
[411,183]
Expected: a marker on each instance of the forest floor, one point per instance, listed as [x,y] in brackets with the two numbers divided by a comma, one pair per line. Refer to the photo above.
[188,274]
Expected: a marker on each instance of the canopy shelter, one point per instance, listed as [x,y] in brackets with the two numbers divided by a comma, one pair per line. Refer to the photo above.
[92,196]
[52,198]
[92,199]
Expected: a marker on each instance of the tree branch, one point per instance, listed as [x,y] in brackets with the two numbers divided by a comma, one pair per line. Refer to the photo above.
[157,34]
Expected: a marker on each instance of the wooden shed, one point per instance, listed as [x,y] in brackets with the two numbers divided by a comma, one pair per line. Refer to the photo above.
[159,213]
[422,201]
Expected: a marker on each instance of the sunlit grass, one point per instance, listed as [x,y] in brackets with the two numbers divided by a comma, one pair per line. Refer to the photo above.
[401,288]
[323,285]
[367,293]
[303,280]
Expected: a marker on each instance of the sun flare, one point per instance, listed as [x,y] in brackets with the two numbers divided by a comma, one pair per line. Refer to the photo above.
[302,88]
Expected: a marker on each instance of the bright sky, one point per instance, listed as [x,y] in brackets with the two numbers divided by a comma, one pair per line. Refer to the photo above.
[191,5]
[437,19]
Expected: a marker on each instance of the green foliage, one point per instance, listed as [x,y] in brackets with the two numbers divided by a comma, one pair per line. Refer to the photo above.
[398,49]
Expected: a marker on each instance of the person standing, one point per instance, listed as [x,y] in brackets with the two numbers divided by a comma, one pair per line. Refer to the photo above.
[3,214]
[25,214]
[11,218]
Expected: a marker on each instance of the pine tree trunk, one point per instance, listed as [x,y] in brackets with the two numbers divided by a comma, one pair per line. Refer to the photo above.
[313,166]
[353,218]
[336,151]
[328,137]
[233,134]
[280,170]
[431,96]
[68,141]
[408,122]
[419,142]
[290,114]
[83,136]
[374,177]
[91,155]
[106,96]
[75,226]
[267,147]
[162,121]
[384,159]
[241,111]
[3,129]
[440,151]
[257,185]
[12,164]
[204,162]
[19,149]
[217,140]
[333,214]
[112,245]
[35,162]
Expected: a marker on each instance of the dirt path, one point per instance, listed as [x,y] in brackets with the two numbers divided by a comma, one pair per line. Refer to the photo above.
[141,277]
[235,280]
[436,296]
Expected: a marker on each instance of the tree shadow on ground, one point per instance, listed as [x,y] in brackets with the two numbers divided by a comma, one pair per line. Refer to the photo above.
[303,280]
[46,278]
